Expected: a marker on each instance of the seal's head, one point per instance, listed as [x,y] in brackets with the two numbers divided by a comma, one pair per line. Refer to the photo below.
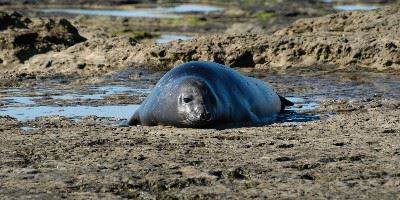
[196,103]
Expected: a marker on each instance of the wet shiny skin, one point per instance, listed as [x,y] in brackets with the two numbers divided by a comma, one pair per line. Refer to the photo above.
[196,103]
[207,94]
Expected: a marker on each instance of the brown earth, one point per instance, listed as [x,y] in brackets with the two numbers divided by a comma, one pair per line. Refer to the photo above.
[351,152]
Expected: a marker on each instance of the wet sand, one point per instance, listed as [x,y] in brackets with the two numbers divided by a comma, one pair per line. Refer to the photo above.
[351,151]
[345,146]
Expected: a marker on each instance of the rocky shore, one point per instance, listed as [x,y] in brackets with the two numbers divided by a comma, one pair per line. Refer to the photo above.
[22,37]
[344,147]
[341,40]
[366,39]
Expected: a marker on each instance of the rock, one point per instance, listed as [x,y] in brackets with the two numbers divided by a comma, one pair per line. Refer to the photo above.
[380,21]
[366,39]
[22,38]
[347,40]
[243,28]
[12,20]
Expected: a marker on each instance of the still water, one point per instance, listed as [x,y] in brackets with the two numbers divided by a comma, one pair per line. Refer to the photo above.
[355,7]
[21,107]
[157,12]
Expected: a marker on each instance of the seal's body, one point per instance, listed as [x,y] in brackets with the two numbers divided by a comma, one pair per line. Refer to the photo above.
[207,94]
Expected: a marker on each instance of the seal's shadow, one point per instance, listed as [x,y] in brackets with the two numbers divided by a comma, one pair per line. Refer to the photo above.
[284,117]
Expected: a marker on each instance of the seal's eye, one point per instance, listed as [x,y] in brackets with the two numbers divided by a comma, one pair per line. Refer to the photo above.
[187,99]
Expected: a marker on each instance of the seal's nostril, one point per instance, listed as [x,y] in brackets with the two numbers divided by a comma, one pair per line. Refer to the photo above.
[205,116]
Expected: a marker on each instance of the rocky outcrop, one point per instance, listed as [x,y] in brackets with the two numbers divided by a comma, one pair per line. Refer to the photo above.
[95,56]
[367,39]
[21,37]
[362,39]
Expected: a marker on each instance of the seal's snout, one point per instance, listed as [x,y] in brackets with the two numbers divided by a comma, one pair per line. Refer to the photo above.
[206,116]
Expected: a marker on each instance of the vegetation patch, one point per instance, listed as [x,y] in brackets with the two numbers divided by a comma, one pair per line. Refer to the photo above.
[189,20]
[132,34]
[263,15]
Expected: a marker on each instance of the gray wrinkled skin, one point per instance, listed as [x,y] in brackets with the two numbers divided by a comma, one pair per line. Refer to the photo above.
[207,94]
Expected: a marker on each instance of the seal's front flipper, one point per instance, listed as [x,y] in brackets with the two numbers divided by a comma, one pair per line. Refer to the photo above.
[134,120]
[284,103]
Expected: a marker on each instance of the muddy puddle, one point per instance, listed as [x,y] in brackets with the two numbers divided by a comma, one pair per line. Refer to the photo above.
[51,102]
[157,12]
[27,104]
[356,7]
[170,37]
[160,12]
[342,6]
[120,99]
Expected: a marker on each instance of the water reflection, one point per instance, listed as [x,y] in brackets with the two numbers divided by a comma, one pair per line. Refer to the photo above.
[169,38]
[26,108]
[355,7]
[158,12]
[340,6]
[28,113]
[299,111]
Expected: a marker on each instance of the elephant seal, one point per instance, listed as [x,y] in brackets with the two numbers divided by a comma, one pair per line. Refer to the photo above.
[208,94]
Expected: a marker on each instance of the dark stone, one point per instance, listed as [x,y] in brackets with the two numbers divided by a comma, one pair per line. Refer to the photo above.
[285,146]
[81,65]
[14,20]
[284,159]
[24,39]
